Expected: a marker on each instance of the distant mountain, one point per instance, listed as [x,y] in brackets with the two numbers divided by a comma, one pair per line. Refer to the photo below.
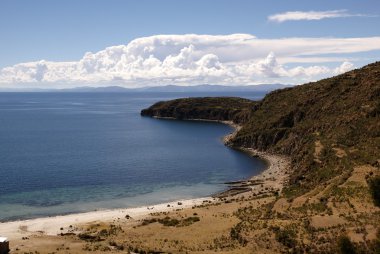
[215,88]
[167,88]
[180,89]
[106,89]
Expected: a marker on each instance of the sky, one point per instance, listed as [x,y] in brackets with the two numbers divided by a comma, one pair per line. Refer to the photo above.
[135,43]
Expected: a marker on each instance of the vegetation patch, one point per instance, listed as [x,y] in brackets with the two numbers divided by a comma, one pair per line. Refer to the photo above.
[285,236]
[172,222]
[374,185]
[346,246]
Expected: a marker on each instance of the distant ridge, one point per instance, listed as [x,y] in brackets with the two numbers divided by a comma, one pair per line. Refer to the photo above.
[214,88]
[166,88]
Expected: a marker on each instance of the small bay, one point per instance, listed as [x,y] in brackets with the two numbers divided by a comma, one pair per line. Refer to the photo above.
[75,152]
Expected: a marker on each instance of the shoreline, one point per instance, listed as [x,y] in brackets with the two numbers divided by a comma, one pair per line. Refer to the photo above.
[271,179]
[71,223]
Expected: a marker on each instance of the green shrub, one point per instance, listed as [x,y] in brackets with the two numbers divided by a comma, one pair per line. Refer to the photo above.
[168,222]
[346,246]
[286,237]
[235,234]
[172,222]
[374,185]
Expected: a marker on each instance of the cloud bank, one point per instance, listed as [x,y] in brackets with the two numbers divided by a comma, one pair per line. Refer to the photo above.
[192,59]
[312,15]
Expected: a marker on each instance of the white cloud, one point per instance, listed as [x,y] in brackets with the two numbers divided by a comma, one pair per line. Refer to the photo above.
[344,67]
[312,15]
[195,59]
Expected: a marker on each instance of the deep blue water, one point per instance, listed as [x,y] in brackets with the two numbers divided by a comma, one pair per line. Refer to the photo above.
[74,152]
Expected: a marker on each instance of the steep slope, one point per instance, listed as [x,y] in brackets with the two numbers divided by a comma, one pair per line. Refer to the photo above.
[326,126]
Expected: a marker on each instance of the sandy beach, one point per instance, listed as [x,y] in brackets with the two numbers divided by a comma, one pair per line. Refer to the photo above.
[69,223]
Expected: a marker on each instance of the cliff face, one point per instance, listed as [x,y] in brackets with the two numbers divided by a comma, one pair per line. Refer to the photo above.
[326,127]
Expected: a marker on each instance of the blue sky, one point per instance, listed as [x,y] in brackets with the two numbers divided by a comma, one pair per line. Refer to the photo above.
[60,31]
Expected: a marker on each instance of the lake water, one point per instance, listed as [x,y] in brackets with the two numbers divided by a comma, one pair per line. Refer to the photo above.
[74,152]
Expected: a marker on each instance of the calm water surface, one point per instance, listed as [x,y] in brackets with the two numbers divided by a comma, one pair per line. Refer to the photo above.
[75,152]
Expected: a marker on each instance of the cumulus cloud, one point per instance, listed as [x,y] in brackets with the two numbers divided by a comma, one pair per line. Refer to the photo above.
[344,67]
[195,59]
[312,15]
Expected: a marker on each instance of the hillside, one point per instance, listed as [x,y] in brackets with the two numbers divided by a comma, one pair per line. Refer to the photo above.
[340,114]
[330,130]
[327,127]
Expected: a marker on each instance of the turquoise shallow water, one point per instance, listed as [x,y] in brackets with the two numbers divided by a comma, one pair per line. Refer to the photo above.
[74,152]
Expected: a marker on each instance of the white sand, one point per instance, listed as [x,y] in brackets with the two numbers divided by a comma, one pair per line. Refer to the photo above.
[52,225]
